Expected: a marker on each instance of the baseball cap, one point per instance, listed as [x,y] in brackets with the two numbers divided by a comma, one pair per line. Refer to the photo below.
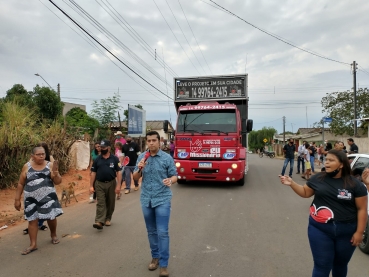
[104,143]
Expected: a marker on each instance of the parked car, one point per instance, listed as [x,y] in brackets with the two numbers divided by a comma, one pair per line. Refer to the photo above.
[358,163]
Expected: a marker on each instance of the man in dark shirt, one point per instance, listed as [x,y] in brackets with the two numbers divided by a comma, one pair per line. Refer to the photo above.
[353,147]
[289,153]
[104,172]
[130,150]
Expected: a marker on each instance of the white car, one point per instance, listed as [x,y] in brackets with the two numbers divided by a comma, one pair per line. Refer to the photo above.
[358,163]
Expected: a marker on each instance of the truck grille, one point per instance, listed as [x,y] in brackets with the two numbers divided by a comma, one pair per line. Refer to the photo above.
[205,171]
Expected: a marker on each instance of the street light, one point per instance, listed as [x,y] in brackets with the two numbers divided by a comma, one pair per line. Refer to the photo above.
[44,80]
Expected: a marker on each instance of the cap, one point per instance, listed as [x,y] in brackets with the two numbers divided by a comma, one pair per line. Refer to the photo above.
[105,143]
[118,133]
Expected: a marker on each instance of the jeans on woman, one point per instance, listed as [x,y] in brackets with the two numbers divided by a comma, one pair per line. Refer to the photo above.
[331,247]
[312,159]
[157,225]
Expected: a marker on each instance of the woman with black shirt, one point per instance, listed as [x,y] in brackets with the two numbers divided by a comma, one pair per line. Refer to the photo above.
[338,214]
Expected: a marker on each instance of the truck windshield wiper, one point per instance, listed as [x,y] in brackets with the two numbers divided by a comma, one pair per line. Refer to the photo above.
[218,131]
[192,131]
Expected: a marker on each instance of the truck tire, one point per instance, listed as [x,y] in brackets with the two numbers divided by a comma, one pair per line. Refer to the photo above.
[181,182]
[364,245]
[241,182]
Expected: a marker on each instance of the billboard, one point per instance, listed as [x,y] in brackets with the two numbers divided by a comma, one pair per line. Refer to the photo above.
[212,87]
[136,121]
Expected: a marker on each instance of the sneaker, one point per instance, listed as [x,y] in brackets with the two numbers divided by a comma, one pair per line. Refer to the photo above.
[154,264]
[127,191]
[297,172]
[136,188]
[98,225]
[107,223]
[164,272]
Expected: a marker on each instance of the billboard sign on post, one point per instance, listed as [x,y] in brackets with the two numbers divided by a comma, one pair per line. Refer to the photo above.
[136,122]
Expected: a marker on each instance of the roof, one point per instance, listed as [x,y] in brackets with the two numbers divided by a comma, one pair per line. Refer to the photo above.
[303,131]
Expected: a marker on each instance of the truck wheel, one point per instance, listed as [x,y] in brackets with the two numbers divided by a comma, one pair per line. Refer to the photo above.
[241,182]
[364,245]
[272,155]
[181,182]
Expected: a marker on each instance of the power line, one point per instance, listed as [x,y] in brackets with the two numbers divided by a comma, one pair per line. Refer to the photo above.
[279,38]
[107,49]
[176,37]
[195,37]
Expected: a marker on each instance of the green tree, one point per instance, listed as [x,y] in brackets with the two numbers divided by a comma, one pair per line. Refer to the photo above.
[19,95]
[340,107]
[47,102]
[79,118]
[256,137]
[106,110]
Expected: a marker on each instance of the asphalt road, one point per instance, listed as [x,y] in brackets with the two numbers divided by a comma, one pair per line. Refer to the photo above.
[259,229]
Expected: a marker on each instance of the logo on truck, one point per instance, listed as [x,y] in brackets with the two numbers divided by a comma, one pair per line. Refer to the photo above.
[182,155]
[195,146]
[229,156]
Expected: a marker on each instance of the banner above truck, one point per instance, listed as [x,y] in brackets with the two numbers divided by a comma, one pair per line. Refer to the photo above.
[212,87]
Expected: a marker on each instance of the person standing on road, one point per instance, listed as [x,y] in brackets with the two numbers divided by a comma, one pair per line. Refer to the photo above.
[106,175]
[130,150]
[300,158]
[307,159]
[353,147]
[94,154]
[312,153]
[37,179]
[338,214]
[119,137]
[289,153]
[158,174]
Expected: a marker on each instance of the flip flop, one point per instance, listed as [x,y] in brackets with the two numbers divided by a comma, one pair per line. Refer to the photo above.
[55,241]
[43,228]
[28,250]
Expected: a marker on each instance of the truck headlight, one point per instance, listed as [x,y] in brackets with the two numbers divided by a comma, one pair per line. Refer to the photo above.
[234,166]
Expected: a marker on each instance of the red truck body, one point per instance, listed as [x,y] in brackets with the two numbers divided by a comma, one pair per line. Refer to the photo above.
[212,127]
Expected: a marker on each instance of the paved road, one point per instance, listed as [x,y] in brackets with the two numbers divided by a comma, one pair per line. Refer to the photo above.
[216,230]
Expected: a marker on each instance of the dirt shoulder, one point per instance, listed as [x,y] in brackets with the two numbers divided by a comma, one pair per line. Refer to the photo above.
[9,216]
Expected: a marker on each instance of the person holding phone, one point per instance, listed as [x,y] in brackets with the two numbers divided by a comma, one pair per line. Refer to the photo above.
[338,214]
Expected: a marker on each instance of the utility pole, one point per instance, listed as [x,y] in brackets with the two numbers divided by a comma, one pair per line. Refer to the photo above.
[284,130]
[59,91]
[354,64]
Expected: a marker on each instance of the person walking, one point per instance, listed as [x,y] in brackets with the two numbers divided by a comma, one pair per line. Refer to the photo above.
[119,154]
[289,153]
[338,214]
[172,148]
[307,160]
[119,136]
[158,173]
[37,179]
[300,158]
[106,175]
[353,147]
[94,154]
[312,153]
[130,150]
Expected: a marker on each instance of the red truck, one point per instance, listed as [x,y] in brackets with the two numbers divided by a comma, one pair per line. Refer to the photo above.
[212,127]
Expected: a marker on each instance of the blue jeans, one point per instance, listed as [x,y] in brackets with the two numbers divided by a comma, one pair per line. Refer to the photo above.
[312,159]
[331,247]
[301,161]
[286,161]
[157,225]
[127,171]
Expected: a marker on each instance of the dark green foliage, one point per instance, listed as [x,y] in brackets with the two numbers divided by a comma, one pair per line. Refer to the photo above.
[47,102]
[340,107]
[256,137]
[77,117]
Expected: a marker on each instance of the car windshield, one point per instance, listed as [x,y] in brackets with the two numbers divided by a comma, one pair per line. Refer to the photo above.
[202,121]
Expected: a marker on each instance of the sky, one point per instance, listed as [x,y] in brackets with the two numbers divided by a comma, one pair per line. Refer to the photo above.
[193,38]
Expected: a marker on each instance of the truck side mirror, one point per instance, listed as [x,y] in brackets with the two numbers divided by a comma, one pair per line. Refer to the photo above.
[165,126]
[249,124]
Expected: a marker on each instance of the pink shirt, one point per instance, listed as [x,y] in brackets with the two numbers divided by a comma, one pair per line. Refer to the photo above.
[121,140]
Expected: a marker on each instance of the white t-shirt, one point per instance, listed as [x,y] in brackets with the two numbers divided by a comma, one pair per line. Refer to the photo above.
[306,152]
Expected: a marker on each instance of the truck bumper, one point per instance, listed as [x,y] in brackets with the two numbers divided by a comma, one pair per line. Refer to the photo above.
[219,171]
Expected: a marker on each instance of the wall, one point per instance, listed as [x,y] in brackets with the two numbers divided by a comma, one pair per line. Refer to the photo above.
[68,106]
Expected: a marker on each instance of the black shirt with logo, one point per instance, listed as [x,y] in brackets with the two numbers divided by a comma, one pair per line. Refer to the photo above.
[130,150]
[290,151]
[106,168]
[333,201]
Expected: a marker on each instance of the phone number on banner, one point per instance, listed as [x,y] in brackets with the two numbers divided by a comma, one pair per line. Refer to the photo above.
[209,92]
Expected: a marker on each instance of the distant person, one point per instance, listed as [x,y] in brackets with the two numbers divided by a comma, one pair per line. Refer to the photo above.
[289,154]
[338,214]
[130,150]
[119,154]
[165,147]
[307,160]
[37,180]
[300,158]
[119,136]
[96,152]
[353,147]
[158,173]
[312,153]
[172,147]
[106,175]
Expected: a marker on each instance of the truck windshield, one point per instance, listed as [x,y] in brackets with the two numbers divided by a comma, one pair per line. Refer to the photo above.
[222,120]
